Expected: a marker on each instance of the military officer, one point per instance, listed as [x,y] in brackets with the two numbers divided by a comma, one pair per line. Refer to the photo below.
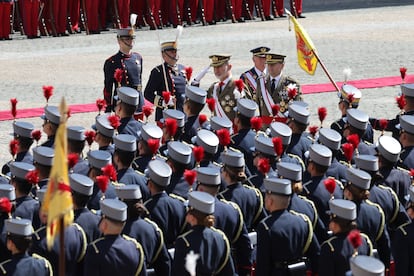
[224,91]
[407,141]
[104,133]
[291,229]
[168,76]
[76,144]
[195,99]
[19,237]
[298,121]
[127,255]
[127,101]
[51,120]
[144,152]
[130,64]
[203,239]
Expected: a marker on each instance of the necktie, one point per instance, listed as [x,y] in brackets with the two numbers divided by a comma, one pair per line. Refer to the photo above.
[273,86]
[221,84]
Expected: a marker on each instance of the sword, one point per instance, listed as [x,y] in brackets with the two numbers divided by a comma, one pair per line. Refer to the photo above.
[19,19]
[41,20]
[230,8]
[259,8]
[189,18]
[151,15]
[118,21]
[177,9]
[201,7]
[246,6]
[12,19]
[52,18]
[85,18]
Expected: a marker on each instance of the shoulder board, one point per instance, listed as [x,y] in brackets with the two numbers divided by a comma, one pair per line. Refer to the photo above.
[328,242]
[217,164]
[95,212]
[310,138]
[303,216]
[47,263]
[93,244]
[183,237]
[128,238]
[177,197]
[158,68]
[2,267]
[85,242]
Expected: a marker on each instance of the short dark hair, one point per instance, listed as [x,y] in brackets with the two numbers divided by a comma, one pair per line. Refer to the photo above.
[194,107]
[22,243]
[244,121]
[128,109]
[24,142]
[125,157]
[76,146]
[22,185]
[80,200]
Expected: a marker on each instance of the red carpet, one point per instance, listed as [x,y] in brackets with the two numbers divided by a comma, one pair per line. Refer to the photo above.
[306,89]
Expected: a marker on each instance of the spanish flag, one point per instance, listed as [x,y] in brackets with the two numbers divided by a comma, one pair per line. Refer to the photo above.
[306,57]
[58,203]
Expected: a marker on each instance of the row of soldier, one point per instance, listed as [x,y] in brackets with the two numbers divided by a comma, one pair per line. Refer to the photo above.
[301,176]
[64,17]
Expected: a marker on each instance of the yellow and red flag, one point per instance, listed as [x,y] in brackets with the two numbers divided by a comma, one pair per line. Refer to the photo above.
[58,203]
[306,57]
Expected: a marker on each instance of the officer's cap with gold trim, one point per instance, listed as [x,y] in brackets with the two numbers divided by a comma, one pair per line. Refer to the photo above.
[128,192]
[99,158]
[201,201]
[260,51]
[18,226]
[114,209]
[389,148]
[278,186]
[81,184]
[159,172]
[357,118]
[358,178]
[320,155]
[368,163]
[7,190]
[330,138]
[219,59]
[233,158]
[76,133]
[408,89]
[209,176]
[342,208]
[125,142]
[247,108]
[179,152]
[289,171]
[274,58]
[43,155]
[278,129]
[168,45]
[366,266]
[23,129]
[346,91]
[125,32]
[407,123]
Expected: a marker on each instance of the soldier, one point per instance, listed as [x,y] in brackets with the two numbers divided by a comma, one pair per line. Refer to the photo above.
[337,251]
[76,144]
[168,76]
[224,92]
[125,148]
[193,105]
[22,132]
[43,161]
[19,238]
[51,120]
[127,101]
[366,266]
[166,211]
[281,227]
[407,141]
[256,75]
[144,230]
[127,255]
[104,133]
[298,121]
[145,153]
[203,239]
[130,64]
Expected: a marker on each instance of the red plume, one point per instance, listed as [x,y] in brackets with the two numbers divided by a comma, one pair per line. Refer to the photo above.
[211,103]
[114,121]
[190,176]
[412,173]
[354,140]
[110,172]
[383,124]
[292,93]
[198,154]
[239,84]
[47,92]
[118,74]
[90,136]
[263,165]
[354,238]
[348,150]
[224,136]
[403,71]
[32,177]
[330,185]
[188,72]
[5,205]
[13,107]
[322,112]
[275,109]
[256,123]
[313,130]
[277,145]
[100,104]
[202,118]
[36,135]
[102,181]
[166,95]
[73,158]
[153,144]
[14,144]
[147,110]
[350,98]
[401,102]
[171,125]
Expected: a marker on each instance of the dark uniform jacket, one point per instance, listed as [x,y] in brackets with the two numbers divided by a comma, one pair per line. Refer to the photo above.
[299,144]
[130,177]
[191,127]
[23,264]
[403,249]
[407,158]
[339,125]
[391,124]
[93,203]
[212,246]
[141,162]
[89,223]
[178,186]
[50,142]
[398,180]
[130,126]
[26,207]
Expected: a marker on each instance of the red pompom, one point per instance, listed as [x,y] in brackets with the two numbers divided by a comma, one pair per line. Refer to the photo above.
[36,135]
[278,146]
[13,107]
[202,118]
[383,124]
[322,112]
[110,172]
[73,158]
[403,71]
[171,125]
[401,102]
[90,136]
[224,136]
[190,176]
[166,96]
[292,93]
[239,84]
[313,130]
[412,172]
[5,205]
[198,154]
[348,150]
[118,74]
[275,109]
[263,165]
[147,110]
[153,145]
[13,146]
[354,140]
[32,177]
[114,121]
[188,72]
[330,185]
[100,104]
[256,123]
[211,103]
[354,238]
[102,181]
[47,91]
[350,98]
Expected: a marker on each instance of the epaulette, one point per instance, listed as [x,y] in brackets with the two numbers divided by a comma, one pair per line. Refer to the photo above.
[381,230]
[94,244]
[310,138]
[310,230]
[183,236]
[5,176]
[158,68]
[337,124]
[84,244]
[315,211]
[36,233]
[160,157]
[302,164]
[141,252]
[148,201]
[328,242]
[2,267]
[161,243]
[305,188]
[241,220]
[217,164]
[180,198]
[226,259]
[261,203]
[47,263]
[369,243]
[396,201]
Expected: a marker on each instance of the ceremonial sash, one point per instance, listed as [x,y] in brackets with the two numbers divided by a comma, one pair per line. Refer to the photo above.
[267,98]
[251,80]
[218,109]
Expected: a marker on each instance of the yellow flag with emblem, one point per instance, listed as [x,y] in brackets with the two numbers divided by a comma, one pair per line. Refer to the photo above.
[306,57]
[57,203]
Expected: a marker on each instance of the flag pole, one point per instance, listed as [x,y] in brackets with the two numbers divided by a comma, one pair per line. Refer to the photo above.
[62,260]
[326,70]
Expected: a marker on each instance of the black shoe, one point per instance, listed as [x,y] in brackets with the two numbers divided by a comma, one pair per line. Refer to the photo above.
[240,20]
[212,22]
[268,18]
[301,16]
[282,16]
